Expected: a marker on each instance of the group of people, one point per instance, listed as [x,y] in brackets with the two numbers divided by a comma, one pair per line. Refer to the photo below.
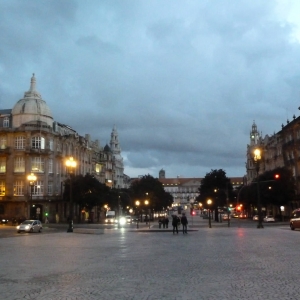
[176,221]
[164,222]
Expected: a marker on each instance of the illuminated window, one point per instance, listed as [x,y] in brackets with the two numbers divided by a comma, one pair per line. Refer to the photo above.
[38,142]
[20,142]
[2,142]
[98,168]
[18,188]
[2,188]
[38,188]
[2,164]
[37,164]
[19,164]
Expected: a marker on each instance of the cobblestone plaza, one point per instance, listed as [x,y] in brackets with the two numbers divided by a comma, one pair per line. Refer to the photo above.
[211,263]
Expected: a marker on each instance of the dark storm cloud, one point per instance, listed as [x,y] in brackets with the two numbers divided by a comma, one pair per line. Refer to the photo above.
[182,81]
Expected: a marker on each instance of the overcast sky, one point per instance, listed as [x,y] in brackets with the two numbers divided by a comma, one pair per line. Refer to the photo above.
[181,80]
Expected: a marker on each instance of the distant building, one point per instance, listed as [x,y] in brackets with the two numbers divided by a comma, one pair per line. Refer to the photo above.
[186,190]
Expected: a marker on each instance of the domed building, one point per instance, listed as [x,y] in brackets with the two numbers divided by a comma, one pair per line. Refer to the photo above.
[31,142]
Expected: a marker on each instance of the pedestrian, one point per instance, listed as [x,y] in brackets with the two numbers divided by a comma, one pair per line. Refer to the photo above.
[159,222]
[167,221]
[175,224]
[184,223]
[164,222]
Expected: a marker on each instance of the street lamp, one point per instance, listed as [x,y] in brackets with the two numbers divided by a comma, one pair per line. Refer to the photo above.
[209,202]
[147,203]
[32,179]
[137,203]
[71,165]
[257,159]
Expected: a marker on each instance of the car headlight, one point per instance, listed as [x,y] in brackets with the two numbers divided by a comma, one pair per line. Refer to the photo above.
[27,227]
[122,221]
[18,227]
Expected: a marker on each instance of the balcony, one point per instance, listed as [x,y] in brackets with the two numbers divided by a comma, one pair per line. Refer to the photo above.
[32,151]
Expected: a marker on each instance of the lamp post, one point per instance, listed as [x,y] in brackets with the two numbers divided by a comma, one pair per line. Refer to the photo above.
[257,160]
[32,179]
[71,165]
[209,202]
[147,203]
[137,203]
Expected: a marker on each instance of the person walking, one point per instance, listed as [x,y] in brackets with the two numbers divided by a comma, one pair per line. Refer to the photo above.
[184,223]
[175,224]
[167,221]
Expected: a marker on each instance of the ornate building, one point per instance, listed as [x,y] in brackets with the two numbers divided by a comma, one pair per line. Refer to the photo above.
[32,142]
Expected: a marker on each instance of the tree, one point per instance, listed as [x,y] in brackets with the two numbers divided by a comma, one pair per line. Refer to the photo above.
[217,187]
[158,197]
[87,191]
[277,192]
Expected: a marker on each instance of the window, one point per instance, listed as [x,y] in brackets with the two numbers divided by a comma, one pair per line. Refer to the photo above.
[38,189]
[19,164]
[20,142]
[2,142]
[18,188]
[57,167]
[50,188]
[50,165]
[98,168]
[6,122]
[2,188]
[38,142]
[37,164]
[51,144]
[2,164]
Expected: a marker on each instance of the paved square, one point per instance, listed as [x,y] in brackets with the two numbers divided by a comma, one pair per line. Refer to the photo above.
[217,263]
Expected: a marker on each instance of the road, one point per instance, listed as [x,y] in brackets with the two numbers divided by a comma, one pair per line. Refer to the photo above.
[233,263]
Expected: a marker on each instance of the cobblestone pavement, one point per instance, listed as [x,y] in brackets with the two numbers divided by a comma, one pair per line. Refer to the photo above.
[211,263]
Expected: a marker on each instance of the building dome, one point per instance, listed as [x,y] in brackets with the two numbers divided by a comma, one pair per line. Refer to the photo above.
[31,108]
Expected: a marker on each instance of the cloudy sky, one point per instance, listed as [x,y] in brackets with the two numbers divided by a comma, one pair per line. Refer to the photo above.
[181,80]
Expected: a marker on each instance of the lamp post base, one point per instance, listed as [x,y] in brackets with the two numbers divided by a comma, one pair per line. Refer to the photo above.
[260,225]
[70,228]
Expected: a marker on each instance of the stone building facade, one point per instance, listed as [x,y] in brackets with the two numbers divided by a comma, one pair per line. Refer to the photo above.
[32,142]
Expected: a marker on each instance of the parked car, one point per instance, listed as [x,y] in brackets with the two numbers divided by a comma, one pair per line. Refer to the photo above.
[255,218]
[269,219]
[295,219]
[30,226]
[4,221]
[243,216]
[226,217]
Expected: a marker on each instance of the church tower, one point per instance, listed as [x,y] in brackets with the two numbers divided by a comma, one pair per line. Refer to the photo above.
[254,135]
[118,166]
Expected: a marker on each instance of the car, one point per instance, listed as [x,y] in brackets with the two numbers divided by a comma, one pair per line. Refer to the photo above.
[295,219]
[255,218]
[269,219]
[4,221]
[226,217]
[242,216]
[128,219]
[30,226]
